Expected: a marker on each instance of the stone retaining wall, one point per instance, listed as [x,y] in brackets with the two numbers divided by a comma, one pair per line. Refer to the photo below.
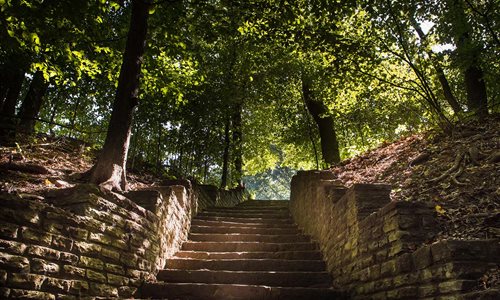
[376,249]
[81,242]
[232,197]
[211,196]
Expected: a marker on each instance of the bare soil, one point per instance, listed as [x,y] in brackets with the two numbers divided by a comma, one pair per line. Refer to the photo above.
[458,172]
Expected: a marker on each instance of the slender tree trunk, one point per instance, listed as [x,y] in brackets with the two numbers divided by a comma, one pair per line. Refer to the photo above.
[192,158]
[180,157]
[110,168]
[53,115]
[445,85]
[73,116]
[133,148]
[32,103]
[423,84]
[205,169]
[225,155]
[3,89]
[237,145]
[488,23]
[328,136]
[158,149]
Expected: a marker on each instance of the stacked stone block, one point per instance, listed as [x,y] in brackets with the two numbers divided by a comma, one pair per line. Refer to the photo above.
[82,242]
[378,249]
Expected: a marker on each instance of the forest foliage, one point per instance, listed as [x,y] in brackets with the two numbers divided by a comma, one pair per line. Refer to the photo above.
[223,83]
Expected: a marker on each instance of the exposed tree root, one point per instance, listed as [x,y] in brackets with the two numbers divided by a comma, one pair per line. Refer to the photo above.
[475,155]
[26,168]
[494,157]
[112,181]
[459,166]
[462,159]
[422,157]
[454,167]
[457,174]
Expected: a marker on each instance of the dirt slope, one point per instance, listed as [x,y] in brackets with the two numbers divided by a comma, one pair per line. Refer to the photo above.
[50,163]
[458,172]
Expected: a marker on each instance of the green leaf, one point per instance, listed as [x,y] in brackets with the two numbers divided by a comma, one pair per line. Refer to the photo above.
[35,39]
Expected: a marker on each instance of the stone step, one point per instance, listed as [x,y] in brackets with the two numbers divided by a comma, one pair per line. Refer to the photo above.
[235,229]
[246,220]
[247,264]
[283,279]
[219,223]
[238,237]
[290,255]
[201,291]
[256,209]
[265,203]
[240,214]
[247,246]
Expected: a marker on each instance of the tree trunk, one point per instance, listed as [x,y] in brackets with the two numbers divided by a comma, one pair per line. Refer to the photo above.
[477,100]
[73,116]
[12,93]
[445,85]
[469,56]
[225,156]
[205,169]
[32,103]
[110,168]
[448,94]
[158,150]
[328,136]
[11,89]
[3,88]
[53,116]
[237,145]
[11,85]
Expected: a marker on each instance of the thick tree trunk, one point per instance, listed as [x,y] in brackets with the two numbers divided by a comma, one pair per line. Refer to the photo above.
[12,92]
[477,100]
[328,136]
[225,156]
[469,56]
[237,145]
[11,84]
[110,168]
[32,103]
[445,85]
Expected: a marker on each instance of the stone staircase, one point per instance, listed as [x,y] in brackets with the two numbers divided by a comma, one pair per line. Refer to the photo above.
[252,251]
